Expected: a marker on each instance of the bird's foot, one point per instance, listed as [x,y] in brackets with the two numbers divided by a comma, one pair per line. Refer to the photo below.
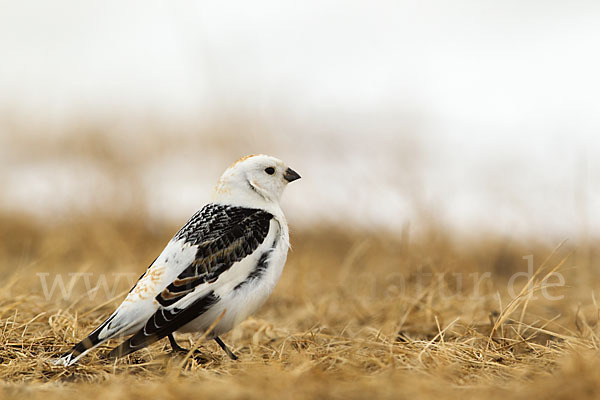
[177,350]
[197,355]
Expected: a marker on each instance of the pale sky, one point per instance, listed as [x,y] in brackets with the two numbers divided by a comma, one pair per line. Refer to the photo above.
[505,94]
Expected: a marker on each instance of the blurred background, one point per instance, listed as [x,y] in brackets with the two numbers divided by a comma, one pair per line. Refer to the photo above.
[445,147]
[476,116]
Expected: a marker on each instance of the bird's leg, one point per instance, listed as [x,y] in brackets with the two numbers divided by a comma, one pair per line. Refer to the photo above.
[198,356]
[175,346]
[225,348]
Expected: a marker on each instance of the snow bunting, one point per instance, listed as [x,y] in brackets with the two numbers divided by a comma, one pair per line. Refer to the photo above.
[223,263]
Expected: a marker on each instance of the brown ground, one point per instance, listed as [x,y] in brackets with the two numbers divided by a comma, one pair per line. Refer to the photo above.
[354,316]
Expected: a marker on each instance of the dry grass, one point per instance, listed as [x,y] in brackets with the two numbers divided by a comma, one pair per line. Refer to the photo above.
[354,316]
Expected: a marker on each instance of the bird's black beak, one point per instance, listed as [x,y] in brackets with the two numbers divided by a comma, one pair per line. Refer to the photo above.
[290,175]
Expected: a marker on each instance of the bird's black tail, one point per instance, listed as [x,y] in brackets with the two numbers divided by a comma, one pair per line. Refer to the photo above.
[87,344]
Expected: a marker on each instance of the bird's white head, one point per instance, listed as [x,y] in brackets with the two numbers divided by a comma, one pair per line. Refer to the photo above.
[254,181]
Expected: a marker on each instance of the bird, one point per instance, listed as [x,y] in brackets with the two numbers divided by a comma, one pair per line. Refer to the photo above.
[217,270]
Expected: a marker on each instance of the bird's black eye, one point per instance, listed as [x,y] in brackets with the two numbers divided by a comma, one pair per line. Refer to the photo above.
[270,170]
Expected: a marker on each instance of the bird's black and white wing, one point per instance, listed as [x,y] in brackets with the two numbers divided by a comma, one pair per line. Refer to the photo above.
[221,236]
